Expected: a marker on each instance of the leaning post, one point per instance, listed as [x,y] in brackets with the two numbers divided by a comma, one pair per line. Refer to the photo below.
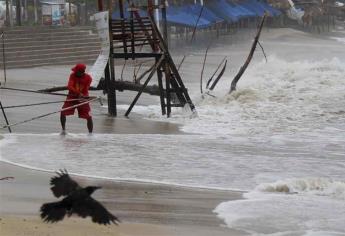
[111,90]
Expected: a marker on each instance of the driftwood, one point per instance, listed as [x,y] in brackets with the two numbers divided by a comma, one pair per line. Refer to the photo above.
[219,76]
[215,72]
[250,56]
[203,68]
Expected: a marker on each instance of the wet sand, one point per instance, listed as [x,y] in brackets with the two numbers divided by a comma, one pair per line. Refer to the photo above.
[144,208]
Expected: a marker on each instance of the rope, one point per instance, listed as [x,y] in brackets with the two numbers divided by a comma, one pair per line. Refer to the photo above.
[48,93]
[43,103]
[32,91]
[51,113]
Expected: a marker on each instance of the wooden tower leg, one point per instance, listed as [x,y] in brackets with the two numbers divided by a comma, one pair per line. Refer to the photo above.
[168,87]
[111,94]
[111,85]
[158,64]
[161,89]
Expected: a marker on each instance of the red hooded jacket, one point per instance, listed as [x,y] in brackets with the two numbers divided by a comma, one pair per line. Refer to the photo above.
[79,85]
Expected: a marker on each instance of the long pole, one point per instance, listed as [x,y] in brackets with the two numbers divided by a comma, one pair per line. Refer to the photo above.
[100,5]
[250,56]
[19,13]
[48,114]
[11,11]
[112,110]
[33,91]
[7,13]
[3,53]
[35,11]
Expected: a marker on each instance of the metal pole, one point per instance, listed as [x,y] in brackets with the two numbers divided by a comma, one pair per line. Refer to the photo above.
[164,23]
[100,5]
[7,14]
[19,12]
[35,11]
[3,54]
[3,112]
[157,13]
[112,90]
[11,11]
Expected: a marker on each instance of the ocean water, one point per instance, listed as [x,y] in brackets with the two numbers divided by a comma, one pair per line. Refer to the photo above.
[280,137]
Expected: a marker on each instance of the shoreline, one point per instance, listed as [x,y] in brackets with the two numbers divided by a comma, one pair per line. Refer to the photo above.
[119,180]
[143,208]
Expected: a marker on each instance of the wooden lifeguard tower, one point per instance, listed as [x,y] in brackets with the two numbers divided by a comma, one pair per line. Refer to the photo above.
[134,35]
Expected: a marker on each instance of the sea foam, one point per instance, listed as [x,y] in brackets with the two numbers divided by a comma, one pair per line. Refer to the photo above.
[289,207]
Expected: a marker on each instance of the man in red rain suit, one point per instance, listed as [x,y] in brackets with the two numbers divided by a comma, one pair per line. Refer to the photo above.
[78,86]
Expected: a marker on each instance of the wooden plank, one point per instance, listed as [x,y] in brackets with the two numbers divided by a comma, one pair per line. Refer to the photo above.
[158,64]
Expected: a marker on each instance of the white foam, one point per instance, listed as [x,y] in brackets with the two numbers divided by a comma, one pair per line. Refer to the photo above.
[277,97]
[315,186]
[269,210]
[341,40]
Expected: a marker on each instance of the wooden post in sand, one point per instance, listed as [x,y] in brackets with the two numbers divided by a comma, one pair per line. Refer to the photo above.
[112,110]
[250,56]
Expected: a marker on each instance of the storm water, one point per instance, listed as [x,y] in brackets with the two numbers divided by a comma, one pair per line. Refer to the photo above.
[280,138]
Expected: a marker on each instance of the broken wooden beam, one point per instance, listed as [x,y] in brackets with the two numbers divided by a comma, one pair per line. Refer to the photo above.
[119,86]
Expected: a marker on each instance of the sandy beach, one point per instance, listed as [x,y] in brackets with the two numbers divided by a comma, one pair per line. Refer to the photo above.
[144,209]
[158,209]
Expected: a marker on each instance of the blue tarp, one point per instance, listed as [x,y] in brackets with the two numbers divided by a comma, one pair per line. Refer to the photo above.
[215,12]
[183,16]
[259,7]
[234,11]
[222,9]
[206,13]
[239,11]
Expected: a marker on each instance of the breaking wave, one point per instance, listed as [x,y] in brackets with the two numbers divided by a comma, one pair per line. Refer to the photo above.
[309,206]
[274,97]
[317,186]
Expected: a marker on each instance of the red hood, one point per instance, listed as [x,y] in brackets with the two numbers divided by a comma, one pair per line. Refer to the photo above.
[79,67]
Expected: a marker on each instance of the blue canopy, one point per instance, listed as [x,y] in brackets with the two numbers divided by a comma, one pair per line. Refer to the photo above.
[183,16]
[259,7]
[222,9]
[239,11]
[206,13]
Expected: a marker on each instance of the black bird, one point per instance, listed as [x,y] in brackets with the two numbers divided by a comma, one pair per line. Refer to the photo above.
[77,200]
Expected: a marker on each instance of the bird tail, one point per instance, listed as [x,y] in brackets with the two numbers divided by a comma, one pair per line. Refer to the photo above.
[53,212]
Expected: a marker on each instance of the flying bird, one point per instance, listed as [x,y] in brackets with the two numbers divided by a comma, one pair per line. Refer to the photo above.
[77,200]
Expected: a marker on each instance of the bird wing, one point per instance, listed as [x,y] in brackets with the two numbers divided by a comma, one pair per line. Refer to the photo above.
[98,213]
[62,184]
[52,212]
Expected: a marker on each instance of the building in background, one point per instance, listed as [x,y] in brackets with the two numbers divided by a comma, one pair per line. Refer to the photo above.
[53,12]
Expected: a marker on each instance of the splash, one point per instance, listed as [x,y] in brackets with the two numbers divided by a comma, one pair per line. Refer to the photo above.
[310,206]
[315,186]
[277,97]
